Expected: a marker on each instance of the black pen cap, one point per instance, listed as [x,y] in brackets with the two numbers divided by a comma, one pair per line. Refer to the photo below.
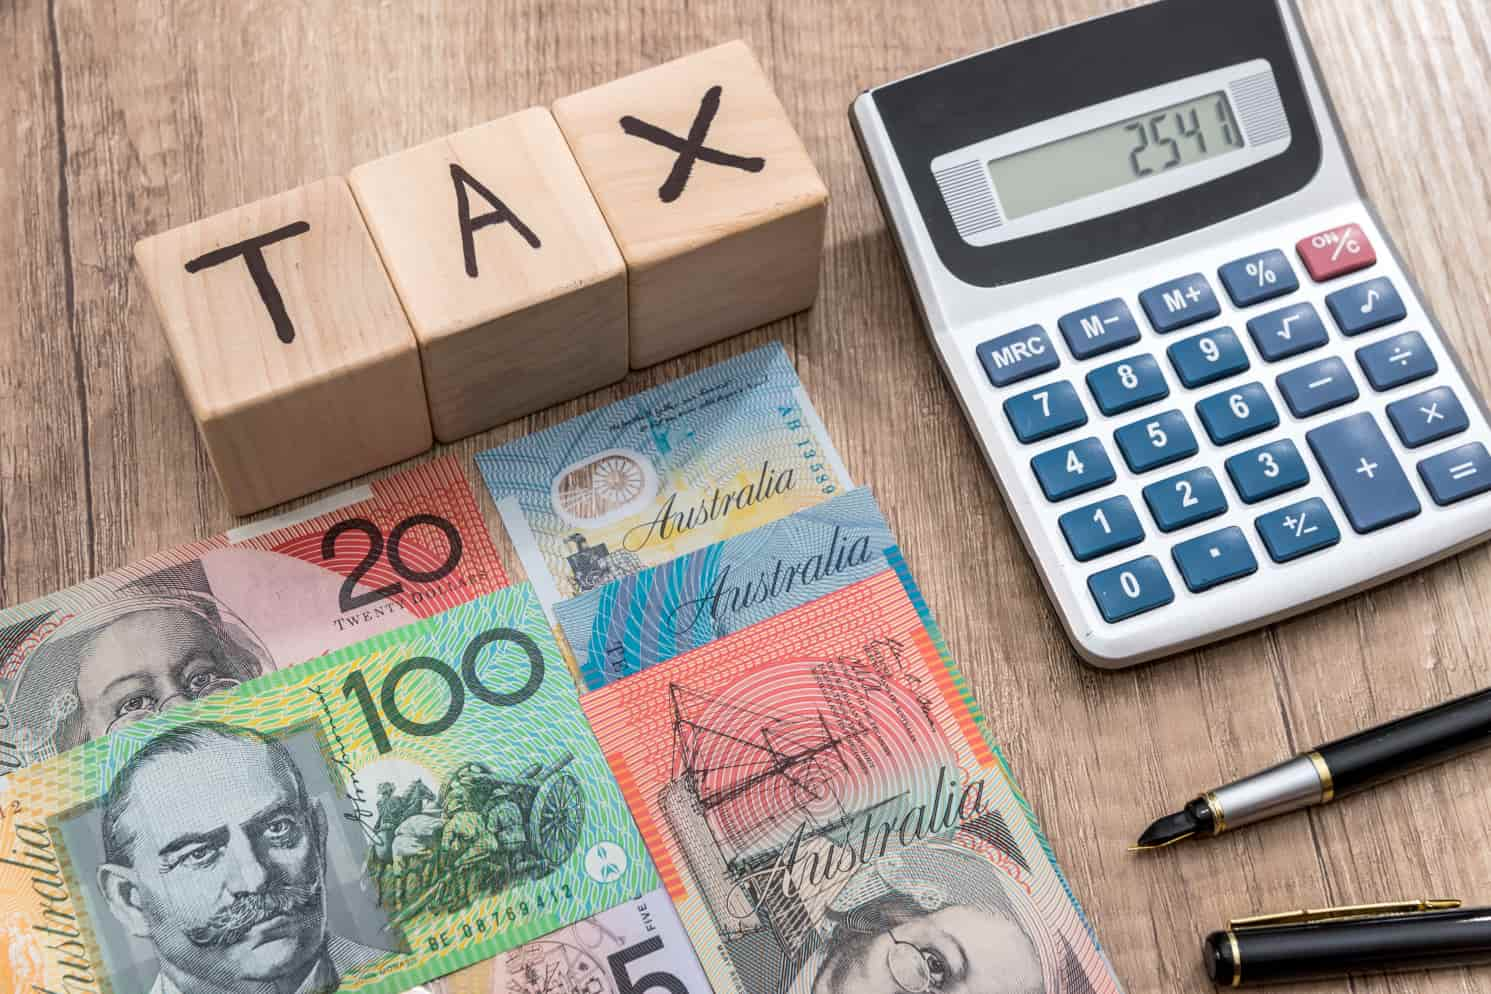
[1219,955]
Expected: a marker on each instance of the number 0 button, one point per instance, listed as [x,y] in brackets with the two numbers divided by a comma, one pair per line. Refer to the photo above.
[1073,469]
[1130,589]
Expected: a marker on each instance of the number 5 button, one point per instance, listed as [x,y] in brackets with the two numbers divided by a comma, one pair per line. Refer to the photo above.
[1130,589]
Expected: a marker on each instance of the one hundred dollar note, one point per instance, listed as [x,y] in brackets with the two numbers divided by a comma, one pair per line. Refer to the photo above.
[661,473]
[648,617]
[829,816]
[213,614]
[638,947]
[363,822]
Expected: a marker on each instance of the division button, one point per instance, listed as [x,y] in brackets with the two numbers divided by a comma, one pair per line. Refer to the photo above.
[1363,472]
[1396,361]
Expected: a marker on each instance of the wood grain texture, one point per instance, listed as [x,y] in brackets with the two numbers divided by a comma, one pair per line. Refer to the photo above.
[133,116]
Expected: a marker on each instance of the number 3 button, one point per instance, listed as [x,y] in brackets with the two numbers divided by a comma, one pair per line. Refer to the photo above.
[1130,589]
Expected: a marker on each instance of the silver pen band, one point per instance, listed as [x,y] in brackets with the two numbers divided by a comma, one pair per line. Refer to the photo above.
[1293,784]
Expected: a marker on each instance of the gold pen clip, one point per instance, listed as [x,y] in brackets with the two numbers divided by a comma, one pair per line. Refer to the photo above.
[1309,916]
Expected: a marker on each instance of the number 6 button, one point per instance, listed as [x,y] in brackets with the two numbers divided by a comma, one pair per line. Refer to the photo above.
[1130,589]
[1237,414]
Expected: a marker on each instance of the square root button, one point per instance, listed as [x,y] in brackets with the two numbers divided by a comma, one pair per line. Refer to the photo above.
[1018,355]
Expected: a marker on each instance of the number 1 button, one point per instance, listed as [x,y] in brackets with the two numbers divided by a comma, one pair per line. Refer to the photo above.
[1101,528]
[1130,589]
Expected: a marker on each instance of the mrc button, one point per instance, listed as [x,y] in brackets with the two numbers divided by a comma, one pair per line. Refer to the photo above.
[1018,355]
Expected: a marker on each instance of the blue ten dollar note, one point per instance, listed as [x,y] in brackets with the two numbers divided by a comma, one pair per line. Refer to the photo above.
[651,616]
[662,473]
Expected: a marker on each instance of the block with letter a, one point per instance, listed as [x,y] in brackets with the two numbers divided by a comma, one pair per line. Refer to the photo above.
[710,193]
[512,282]
[289,342]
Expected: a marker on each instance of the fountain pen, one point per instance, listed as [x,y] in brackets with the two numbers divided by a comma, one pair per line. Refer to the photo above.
[1319,776]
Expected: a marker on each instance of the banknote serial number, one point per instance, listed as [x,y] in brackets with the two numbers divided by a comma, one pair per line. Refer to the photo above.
[385,704]
[516,913]
[350,598]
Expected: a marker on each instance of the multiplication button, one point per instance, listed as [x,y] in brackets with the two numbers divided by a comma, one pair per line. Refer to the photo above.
[1363,472]
[1130,589]
[1427,417]
[1298,530]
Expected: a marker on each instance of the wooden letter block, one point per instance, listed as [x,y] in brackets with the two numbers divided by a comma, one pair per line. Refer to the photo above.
[712,198]
[509,275]
[290,344]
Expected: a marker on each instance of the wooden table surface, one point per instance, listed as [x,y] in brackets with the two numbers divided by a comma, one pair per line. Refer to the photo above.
[132,117]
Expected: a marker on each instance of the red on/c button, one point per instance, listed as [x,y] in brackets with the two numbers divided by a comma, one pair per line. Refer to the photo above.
[1336,252]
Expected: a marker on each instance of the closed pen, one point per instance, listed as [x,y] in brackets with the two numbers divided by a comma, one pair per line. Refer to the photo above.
[1337,942]
[1353,763]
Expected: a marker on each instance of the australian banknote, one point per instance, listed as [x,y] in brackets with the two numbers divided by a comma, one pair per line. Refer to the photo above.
[634,948]
[363,822]
[213,614]
[648,617]
[829,816]
[662,473]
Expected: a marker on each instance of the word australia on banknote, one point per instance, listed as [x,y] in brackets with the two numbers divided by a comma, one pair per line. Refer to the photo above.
[213,614]
[366,821]
[829,817]
[648,617]
[662,473]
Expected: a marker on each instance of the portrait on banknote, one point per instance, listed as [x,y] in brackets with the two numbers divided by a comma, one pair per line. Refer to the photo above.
[206,867]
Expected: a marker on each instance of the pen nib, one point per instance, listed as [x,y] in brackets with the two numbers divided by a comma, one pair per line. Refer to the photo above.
[1167,831]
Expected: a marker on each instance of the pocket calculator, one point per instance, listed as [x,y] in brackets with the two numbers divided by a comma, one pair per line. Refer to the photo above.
[1208,388]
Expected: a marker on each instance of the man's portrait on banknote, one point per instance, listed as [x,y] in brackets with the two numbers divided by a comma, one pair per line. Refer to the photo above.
[216,848]
[162,641]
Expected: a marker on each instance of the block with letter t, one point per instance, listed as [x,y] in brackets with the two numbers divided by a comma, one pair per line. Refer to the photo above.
[288,339]
[710,193]
[511,280]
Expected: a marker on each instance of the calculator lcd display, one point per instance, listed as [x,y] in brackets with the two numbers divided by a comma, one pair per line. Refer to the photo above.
[1115,155]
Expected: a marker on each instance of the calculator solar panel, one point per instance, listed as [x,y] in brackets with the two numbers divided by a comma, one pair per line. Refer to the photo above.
[1208,389]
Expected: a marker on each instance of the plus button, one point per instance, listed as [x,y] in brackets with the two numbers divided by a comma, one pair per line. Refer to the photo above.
[1367,468]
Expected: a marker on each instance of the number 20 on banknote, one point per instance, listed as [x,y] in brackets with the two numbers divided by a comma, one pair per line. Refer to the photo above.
[363,822]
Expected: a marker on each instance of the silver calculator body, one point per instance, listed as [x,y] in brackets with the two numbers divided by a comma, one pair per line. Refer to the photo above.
[1002,177]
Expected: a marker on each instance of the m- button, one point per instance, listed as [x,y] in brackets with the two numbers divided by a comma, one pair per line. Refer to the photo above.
[1018,355]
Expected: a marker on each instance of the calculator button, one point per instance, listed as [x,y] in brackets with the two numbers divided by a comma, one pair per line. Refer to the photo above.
[1427,417]
[1336,252]
[1267,471]
[1125,385]
[1207,358]
[1318,386]
[1179,303]
[1185,499]
[1396,361]
[1154,442]
[1287,332]
[1457,474]
[1238,413]
[1101,528]
[1045,411]
[1213,559]
[1098,329]
[1258,278]
[1073,469]
[1130,589]
[1018,356]
[1298,530]
[1361,469]
[1366,306]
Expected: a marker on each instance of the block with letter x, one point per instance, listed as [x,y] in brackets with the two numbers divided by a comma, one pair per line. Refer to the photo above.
[512,282]
[714,203]
[295,356]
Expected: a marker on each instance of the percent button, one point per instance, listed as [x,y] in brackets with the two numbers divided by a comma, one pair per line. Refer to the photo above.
[1257,278]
